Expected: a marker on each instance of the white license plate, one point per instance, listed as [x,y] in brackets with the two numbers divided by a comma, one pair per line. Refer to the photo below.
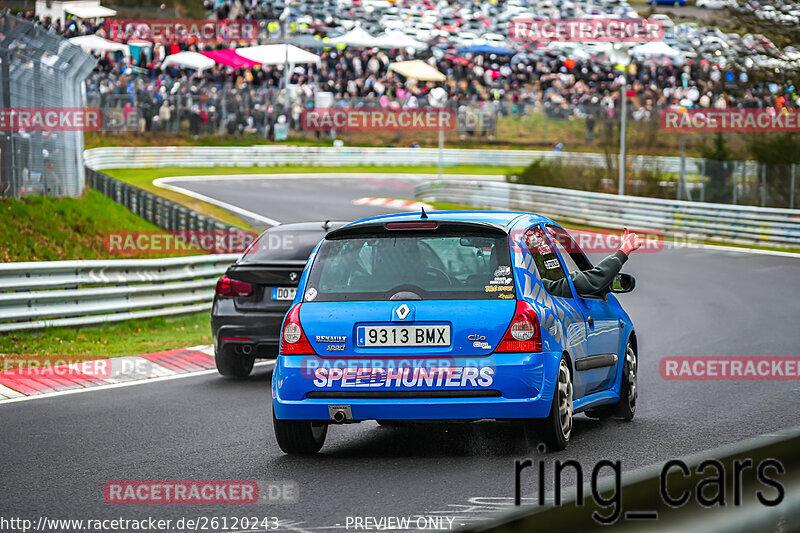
[283,293]
[385,336]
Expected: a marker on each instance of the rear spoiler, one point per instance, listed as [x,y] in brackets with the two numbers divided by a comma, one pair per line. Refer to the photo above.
[396,226]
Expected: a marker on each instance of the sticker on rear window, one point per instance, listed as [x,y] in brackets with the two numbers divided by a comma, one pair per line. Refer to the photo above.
[551,264]
[502,271]
[311,293]
[499,288]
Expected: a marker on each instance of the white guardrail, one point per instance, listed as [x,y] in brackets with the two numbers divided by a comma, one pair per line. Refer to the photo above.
[71,293]
[269,156]
[715,222]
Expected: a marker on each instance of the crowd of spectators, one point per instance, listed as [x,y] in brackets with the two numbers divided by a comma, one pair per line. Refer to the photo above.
[223,100]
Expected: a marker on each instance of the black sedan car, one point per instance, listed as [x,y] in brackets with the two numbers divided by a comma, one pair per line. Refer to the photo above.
[256,292]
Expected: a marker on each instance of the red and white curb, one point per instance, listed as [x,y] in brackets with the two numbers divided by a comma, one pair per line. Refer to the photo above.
[407,205]
[20,384]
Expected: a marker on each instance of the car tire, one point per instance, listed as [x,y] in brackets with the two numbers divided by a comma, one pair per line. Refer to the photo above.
[232,365]
[629,391]
[299,437]
[555,430]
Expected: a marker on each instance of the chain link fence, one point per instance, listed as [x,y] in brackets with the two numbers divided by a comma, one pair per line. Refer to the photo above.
[42,71]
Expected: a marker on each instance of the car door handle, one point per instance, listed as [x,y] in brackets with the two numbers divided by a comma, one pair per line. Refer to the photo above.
[590,320]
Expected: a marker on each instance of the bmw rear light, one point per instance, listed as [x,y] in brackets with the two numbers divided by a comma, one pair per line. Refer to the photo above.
[293,339]
[231,287]
[523,334]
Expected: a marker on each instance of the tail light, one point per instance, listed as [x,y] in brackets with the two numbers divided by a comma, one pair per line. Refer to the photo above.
[523,334]
[231,287]
[293,339]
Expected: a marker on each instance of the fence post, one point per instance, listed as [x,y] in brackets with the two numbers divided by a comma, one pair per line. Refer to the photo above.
[742,164]
[791,195]
[763,184]
[703,181]
[682,172]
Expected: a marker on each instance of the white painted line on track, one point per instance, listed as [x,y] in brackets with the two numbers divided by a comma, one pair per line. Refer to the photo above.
[219,203]
[123,384]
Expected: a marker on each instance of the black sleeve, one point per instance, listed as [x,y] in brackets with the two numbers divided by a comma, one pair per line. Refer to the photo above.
[559,287]
[594,280]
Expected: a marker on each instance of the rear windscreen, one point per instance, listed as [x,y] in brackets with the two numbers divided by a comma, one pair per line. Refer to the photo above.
[427,265]
[283,244]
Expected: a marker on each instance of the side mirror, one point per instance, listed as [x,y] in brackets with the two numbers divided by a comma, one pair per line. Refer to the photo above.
[623,283]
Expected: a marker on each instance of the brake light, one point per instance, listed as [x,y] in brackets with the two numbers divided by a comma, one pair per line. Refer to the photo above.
[523,334]
[293,339]
[412,225]
[231,287]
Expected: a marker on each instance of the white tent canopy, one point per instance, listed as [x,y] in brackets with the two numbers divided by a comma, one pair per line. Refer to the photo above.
[417,70]
[95,43]
[656,48]
[357,38]
[191,60]
[89,11]
[277,54]
[398,39]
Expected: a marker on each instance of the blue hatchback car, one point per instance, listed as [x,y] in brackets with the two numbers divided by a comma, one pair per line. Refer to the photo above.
[445,317]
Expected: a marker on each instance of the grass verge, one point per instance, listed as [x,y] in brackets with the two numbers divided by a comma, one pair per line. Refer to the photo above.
[38,228]
[132,337]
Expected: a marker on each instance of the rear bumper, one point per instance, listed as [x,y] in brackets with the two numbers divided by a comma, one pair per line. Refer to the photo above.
[515,386]
[261,331]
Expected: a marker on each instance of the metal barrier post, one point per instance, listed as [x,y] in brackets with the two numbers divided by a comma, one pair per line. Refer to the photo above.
[703,181]
[791,195]
[7,150]
[763,184]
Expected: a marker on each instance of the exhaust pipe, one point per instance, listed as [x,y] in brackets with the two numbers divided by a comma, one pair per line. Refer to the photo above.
[340,413]
[247,349]
[237,349]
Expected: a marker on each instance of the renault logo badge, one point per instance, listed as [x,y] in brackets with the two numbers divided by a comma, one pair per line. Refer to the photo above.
[402,312]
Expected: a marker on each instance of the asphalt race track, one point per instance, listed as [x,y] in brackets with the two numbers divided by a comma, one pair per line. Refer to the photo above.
[58,452]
